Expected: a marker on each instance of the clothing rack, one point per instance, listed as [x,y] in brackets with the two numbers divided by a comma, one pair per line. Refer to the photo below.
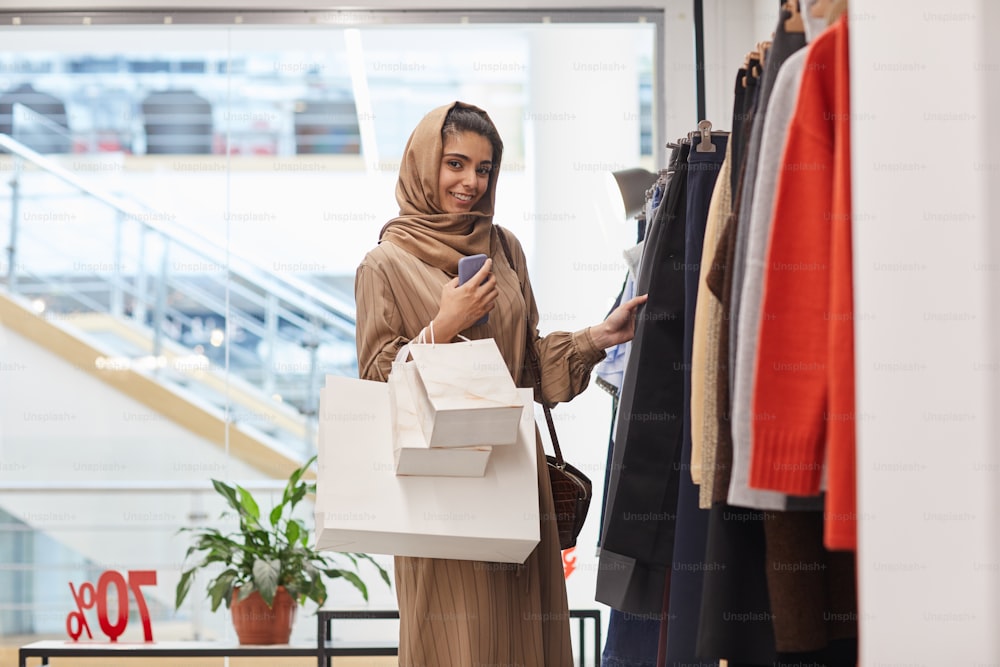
[699,56]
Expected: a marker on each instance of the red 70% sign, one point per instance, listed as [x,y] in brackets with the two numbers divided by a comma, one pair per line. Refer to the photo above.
[88,598]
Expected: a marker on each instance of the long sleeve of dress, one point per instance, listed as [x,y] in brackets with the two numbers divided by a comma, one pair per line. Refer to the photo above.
[380,336]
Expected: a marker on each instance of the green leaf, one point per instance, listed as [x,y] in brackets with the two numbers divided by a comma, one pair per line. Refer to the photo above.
[213,539]
[276,514]
[222,588]
[191,550]
[246,590]
[183,586]
[317,592]
[297,475]
[292,531]
[260,539]
[293,481]
[247,504]
[265,576]
[381,570]
[356,580]
[297,495]
[227,492]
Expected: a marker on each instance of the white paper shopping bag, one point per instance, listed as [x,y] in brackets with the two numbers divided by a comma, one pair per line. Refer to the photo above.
[411,453]
[363,506]
[464,394]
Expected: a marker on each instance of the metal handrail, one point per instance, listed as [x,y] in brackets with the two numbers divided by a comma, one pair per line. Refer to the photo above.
[146,216]
[283,312]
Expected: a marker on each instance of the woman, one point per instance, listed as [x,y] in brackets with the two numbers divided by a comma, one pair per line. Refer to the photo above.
[463,613]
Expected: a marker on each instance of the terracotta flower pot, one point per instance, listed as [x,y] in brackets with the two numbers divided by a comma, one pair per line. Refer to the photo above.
[255,623]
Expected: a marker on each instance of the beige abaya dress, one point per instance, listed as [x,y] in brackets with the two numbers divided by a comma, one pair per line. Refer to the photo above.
[463,613]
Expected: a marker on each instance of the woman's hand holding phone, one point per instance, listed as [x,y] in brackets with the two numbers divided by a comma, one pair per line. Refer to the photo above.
[465,303]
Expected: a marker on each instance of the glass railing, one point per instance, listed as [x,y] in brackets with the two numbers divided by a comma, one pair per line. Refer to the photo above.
[157,298]
[133,526]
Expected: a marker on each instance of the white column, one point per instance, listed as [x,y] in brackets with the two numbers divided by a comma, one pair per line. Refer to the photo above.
[581,122]
[676,72]
[927,284]
[732,29]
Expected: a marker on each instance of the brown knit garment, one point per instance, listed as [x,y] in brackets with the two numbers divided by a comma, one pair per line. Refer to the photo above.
[705,346]
[813,591]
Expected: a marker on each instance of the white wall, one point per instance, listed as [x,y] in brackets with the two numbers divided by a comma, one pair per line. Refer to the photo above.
[676,73]
[585,124]
[924,90]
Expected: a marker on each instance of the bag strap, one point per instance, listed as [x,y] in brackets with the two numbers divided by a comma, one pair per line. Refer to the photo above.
[535,365]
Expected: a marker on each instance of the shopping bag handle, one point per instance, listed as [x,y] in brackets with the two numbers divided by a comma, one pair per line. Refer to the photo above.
[421,340]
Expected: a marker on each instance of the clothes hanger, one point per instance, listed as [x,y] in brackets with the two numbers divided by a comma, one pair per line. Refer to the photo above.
[705,133]
[705,130]
[746,67]
[756,62]
[763,48]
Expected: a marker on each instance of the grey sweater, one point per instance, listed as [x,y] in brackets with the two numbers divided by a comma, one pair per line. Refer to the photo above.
[785,44]
[779,115]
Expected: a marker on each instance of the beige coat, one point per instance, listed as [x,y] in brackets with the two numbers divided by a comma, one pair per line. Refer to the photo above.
[464,613]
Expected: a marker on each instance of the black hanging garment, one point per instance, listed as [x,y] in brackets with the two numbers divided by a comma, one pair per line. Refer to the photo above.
[638,534]
[633,639]
[684,604]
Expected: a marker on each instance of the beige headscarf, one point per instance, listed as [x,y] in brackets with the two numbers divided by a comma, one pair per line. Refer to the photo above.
[422,228]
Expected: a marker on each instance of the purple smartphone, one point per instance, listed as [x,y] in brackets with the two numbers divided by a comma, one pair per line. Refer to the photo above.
[467,267]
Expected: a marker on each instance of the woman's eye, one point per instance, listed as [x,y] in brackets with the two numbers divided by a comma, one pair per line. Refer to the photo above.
[484,171]
[454,164]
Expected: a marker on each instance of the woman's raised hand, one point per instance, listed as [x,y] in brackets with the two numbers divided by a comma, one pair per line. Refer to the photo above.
[619,327]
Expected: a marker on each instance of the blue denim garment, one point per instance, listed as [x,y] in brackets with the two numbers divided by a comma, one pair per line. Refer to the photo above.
[633,640]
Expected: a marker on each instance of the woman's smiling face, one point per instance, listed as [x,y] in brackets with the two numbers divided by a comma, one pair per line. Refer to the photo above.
[466,163]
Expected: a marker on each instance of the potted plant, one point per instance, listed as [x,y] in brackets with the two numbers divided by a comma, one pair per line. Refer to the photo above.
[267,565]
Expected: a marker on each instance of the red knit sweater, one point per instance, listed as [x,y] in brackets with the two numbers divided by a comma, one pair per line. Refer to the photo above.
[804,382]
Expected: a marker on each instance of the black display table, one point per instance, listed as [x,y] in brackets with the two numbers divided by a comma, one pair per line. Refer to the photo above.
[326,618]
[45,650]
[323,650]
